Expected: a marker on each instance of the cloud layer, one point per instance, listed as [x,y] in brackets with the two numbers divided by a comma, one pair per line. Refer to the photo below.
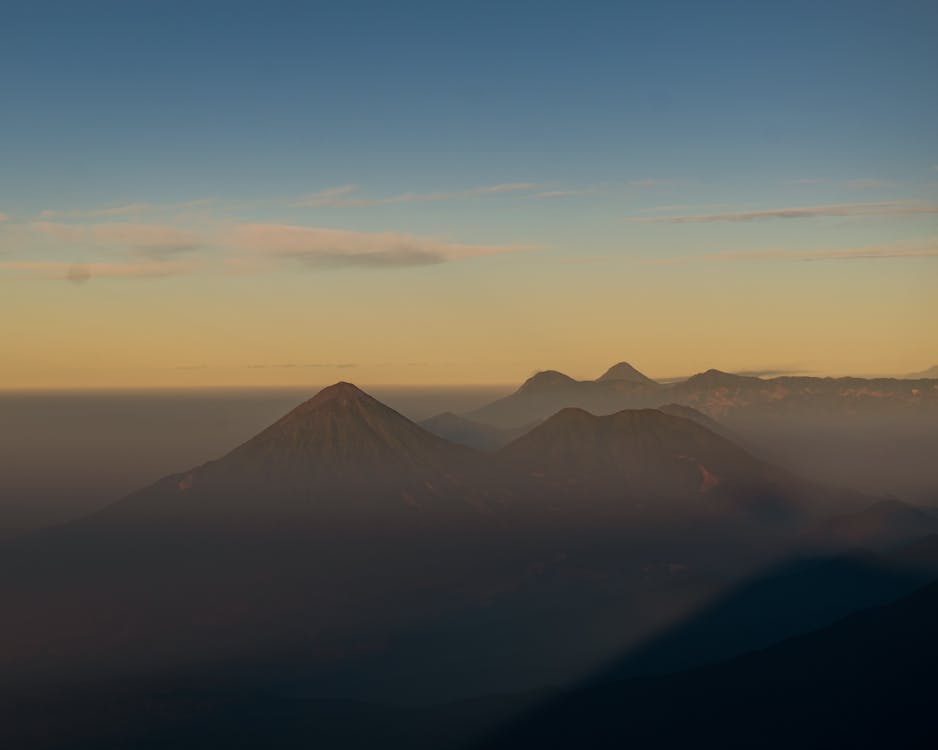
[81,251]
[342,248]
[897,250]
[885,208]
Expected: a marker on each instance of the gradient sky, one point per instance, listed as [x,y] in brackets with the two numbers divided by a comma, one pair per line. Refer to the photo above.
[231,193]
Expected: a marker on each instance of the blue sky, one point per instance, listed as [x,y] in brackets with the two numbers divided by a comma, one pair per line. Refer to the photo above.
[555,127]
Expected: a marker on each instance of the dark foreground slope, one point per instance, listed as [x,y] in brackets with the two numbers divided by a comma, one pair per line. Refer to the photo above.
[866,681]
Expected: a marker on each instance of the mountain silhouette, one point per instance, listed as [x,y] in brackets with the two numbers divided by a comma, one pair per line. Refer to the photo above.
[342,454]
[740,399]
[547,392]
[649,463]
[625,371]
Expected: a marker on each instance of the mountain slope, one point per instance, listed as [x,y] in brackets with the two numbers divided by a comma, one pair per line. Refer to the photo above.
[865,682]
[654,463]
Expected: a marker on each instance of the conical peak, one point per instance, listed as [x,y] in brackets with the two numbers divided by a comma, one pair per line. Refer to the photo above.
[625,371]
[340,391]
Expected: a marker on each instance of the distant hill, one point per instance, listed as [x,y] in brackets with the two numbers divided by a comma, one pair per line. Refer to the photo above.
[547,392]
[930,373]
[464,431]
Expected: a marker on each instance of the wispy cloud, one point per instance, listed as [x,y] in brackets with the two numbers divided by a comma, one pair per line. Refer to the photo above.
[505,187]
[346,196]
[869,184]
[82,272]
[150,239]
[336,248]
[927,249]
[887,208]
[4,217]
[129,209]
[805,181]
[334,196]
[559,194]
[79,251]
[650,183]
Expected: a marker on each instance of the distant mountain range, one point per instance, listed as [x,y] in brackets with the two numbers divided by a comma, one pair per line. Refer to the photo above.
[717,394]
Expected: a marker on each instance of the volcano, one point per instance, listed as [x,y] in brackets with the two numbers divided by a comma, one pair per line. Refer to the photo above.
[341,454]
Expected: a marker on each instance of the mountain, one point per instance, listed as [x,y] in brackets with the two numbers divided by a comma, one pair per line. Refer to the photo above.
[319,529]
[737,399]
[649,463]
[341,454]
[625,371]
[464,431]
[744,398]
[545,393]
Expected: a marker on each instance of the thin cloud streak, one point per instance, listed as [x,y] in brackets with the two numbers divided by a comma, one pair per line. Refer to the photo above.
[903,250]
[559,194]
[869,184]
[886,208]
[336,248]
[130,209]
[344,196]
[151,239]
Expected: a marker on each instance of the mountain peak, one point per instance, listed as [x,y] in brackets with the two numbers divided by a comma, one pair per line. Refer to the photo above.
[342,389]
[624,371]
[714,377]
[545,380]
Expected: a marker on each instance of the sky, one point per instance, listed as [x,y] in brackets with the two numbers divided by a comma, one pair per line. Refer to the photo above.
[199,194]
